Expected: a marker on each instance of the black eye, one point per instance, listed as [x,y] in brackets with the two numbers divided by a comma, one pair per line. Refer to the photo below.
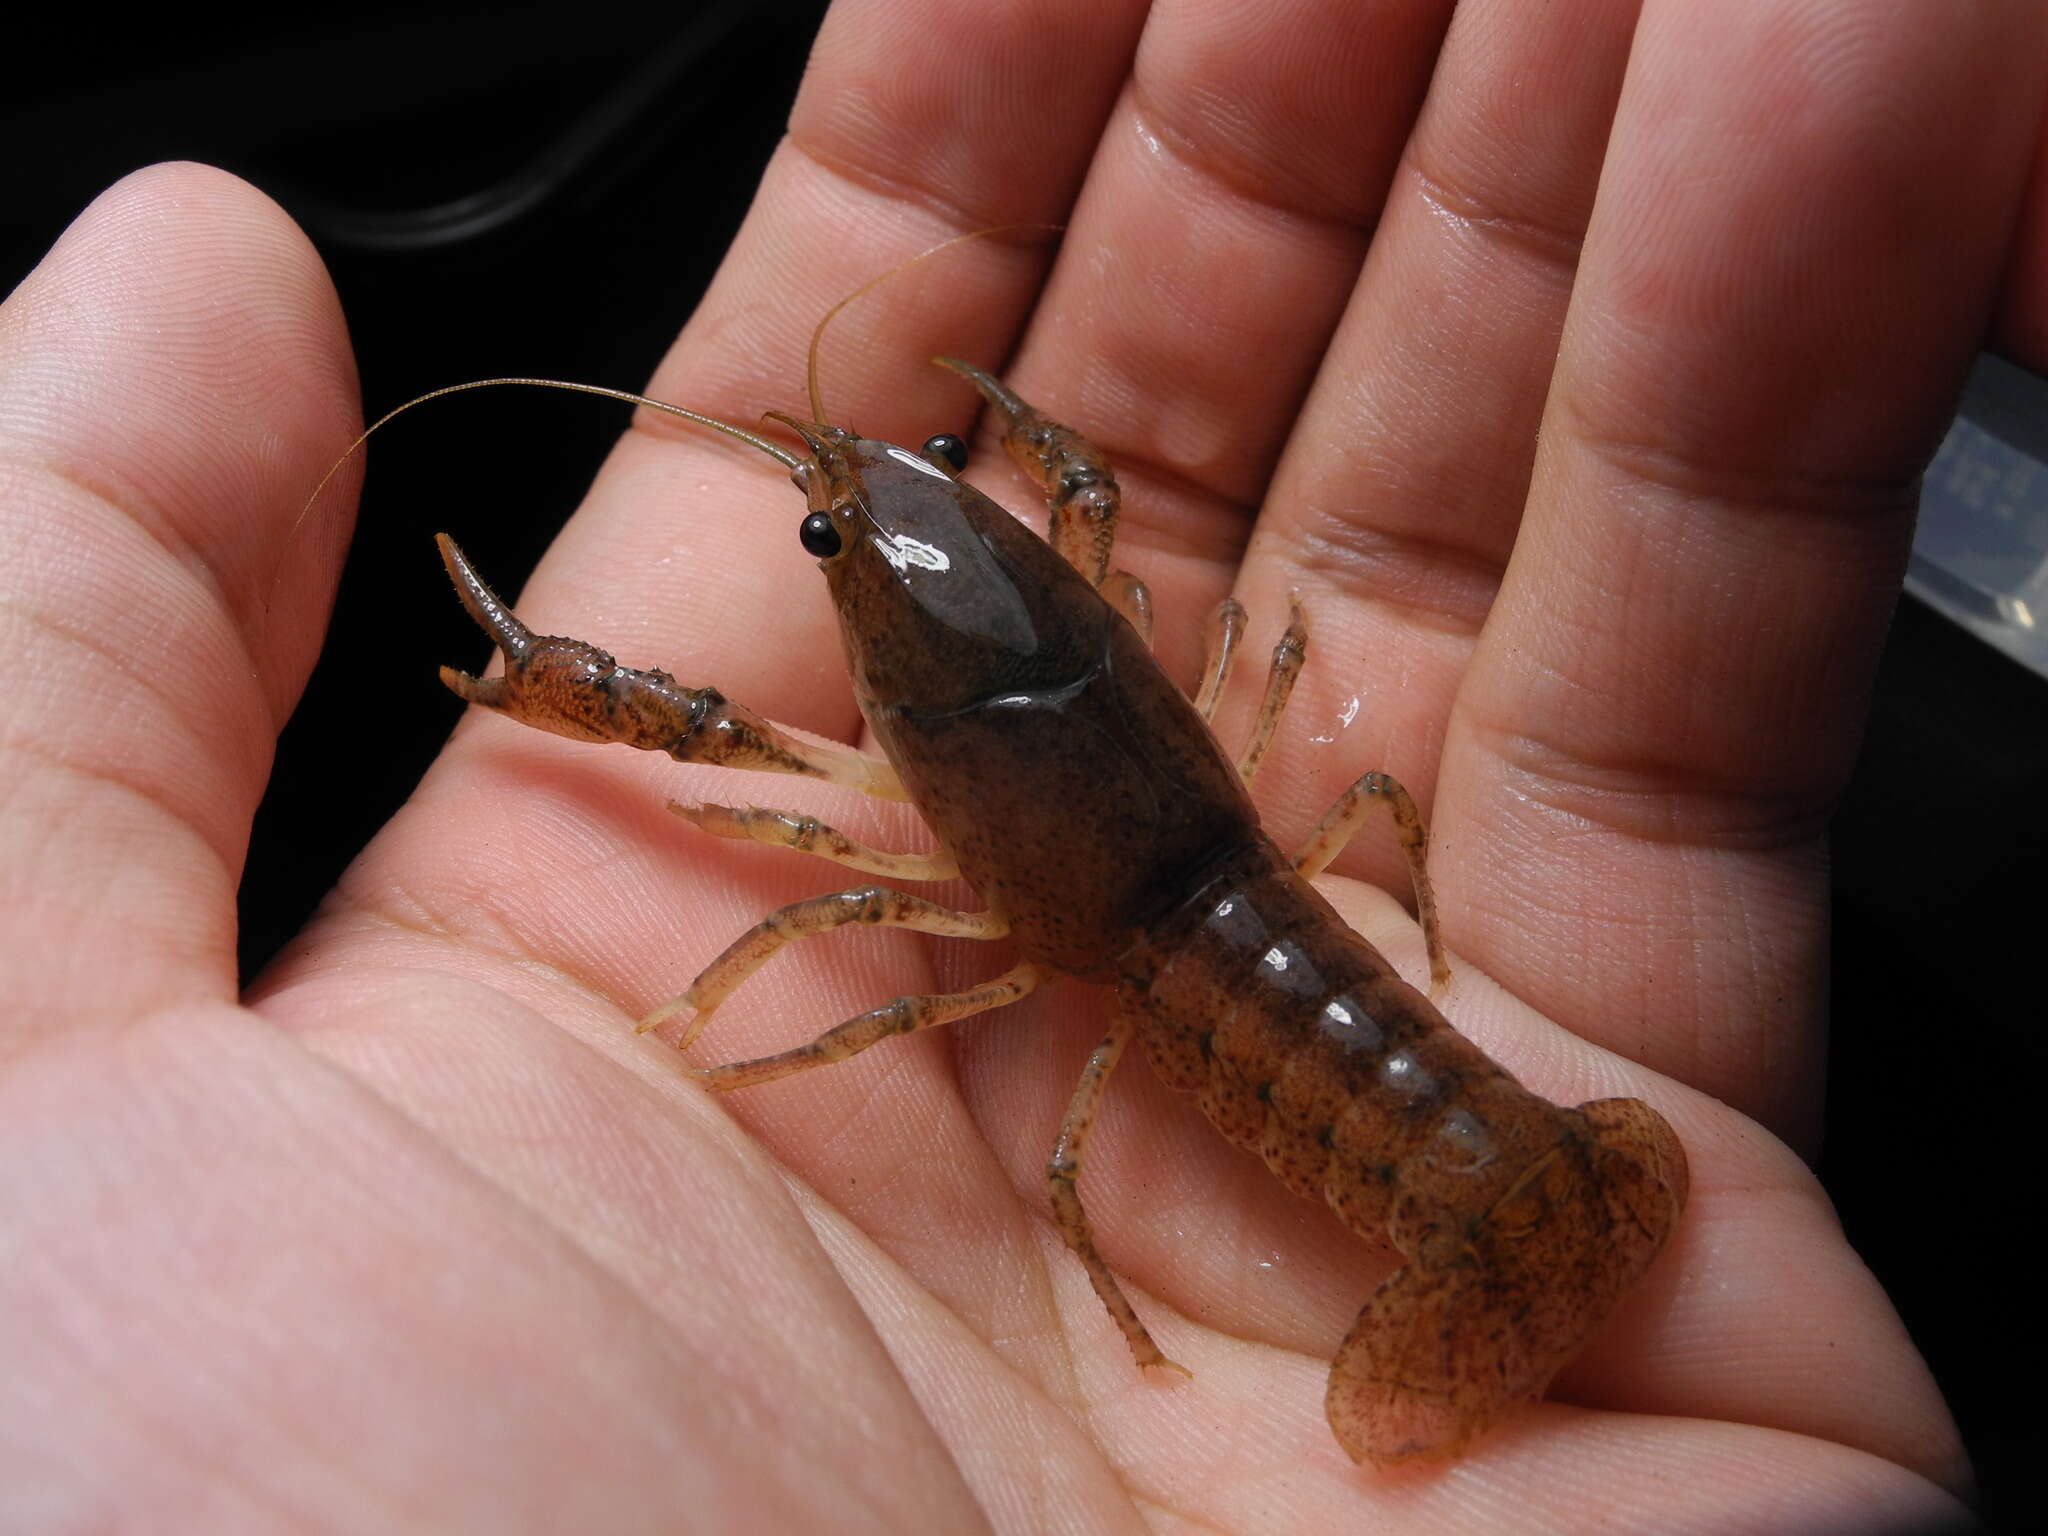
[948,450]
[820,535]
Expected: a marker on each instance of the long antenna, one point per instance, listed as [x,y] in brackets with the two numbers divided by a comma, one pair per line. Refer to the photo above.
[754,440]
[811,368]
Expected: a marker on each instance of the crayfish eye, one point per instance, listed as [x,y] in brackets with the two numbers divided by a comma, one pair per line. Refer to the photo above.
[819,535]
[948,450]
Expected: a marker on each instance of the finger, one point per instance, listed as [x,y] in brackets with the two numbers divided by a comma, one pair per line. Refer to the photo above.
[1397,503]
[1219,235]
[1798,231]
[174,378]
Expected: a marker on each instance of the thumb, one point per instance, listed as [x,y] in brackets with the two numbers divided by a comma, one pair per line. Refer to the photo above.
[174,377]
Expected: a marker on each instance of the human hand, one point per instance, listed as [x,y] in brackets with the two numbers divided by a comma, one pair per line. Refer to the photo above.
[422,1232]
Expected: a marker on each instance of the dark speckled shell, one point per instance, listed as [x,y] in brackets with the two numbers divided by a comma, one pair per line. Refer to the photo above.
[1078,788]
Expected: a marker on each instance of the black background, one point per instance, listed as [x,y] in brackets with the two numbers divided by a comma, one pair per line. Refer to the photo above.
[524,189]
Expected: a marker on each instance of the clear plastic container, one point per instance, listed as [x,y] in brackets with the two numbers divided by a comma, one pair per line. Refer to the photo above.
[1980,555]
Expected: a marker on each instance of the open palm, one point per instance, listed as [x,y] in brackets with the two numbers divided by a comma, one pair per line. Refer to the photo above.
[419,1233]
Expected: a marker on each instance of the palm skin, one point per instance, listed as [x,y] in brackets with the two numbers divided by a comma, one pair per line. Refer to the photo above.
[418,1233]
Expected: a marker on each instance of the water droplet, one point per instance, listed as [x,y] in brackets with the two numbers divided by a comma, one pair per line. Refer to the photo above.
[1345,716]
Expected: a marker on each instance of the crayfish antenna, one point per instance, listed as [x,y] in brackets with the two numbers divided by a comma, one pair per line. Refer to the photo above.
[811,363]
[751,439]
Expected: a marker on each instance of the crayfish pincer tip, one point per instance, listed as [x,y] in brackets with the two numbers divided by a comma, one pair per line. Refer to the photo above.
[659,1017]
[667,1011]
[487,691]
